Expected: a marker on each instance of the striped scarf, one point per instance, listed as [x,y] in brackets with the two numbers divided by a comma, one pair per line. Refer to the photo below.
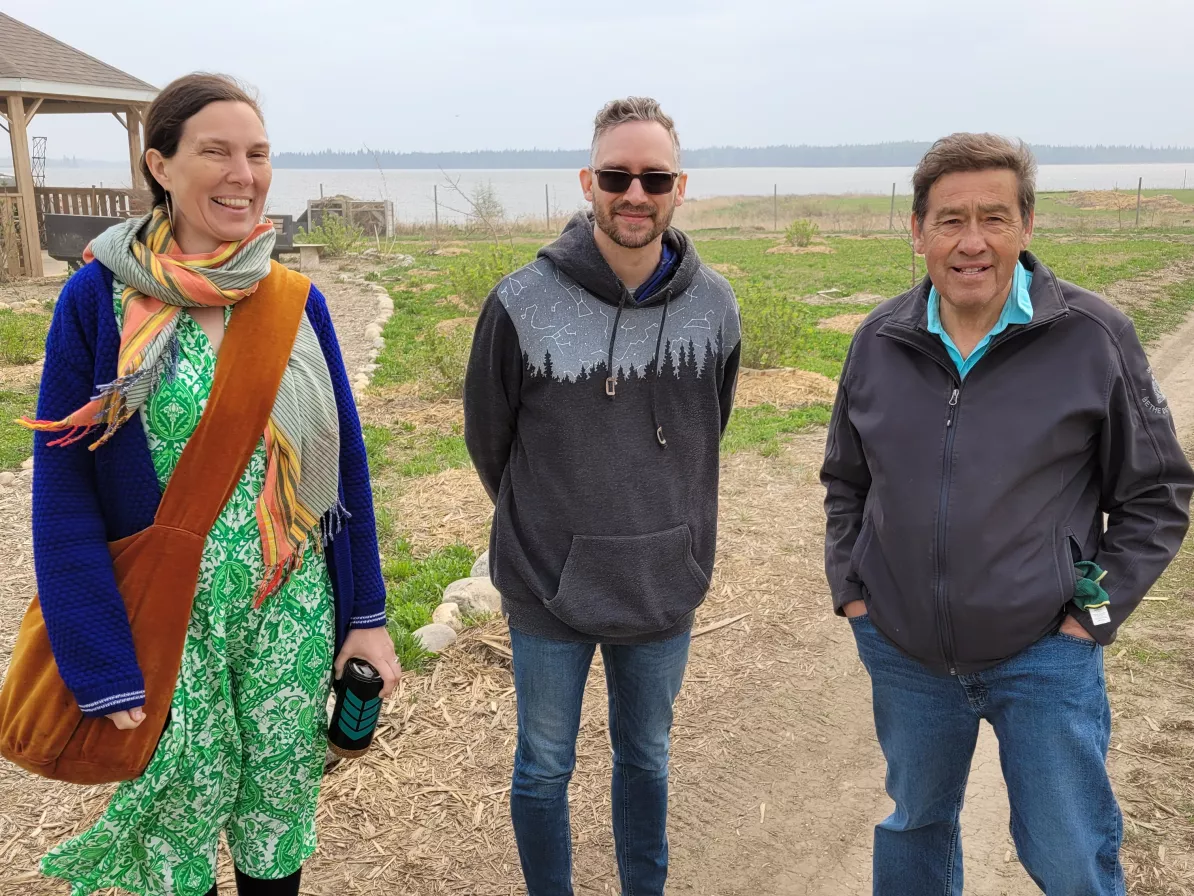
[154,281]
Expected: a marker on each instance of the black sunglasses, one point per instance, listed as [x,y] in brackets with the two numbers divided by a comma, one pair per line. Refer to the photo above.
[612,180]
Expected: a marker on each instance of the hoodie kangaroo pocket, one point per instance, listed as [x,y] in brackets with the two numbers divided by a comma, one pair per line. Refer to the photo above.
[624,586]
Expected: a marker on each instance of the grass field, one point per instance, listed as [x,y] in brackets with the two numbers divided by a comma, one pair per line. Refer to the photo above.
[1099,211]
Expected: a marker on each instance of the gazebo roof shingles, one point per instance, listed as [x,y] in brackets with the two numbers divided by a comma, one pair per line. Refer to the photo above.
[28,54]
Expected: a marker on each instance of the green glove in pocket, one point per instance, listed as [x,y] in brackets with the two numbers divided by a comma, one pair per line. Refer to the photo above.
[1088,593]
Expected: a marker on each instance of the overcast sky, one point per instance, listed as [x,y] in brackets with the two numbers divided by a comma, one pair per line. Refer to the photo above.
[498,74]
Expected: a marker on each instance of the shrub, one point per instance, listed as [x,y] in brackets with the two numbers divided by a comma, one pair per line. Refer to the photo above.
[801,232]
[339,237]
[473,276]
[447,358]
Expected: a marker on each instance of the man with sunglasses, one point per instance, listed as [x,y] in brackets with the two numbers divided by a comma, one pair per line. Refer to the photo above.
[602,377]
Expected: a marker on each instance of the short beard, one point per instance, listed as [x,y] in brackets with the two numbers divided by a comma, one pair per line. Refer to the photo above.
[604,215]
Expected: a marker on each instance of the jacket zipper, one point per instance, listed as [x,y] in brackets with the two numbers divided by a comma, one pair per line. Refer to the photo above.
[947,464]
[946,641]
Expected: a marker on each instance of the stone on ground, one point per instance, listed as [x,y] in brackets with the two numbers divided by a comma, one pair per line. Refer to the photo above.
[475,596]
[448,614]
[481,567]
[436,637]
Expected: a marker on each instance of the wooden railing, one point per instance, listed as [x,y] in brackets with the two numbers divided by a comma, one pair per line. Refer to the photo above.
[94,201]
[11,251]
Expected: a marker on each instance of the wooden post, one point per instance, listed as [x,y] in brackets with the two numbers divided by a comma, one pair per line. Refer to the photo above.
[133,118]
[891,217]
[775,206]
[547,207]
[23,168]
[1139,190]
[435,199]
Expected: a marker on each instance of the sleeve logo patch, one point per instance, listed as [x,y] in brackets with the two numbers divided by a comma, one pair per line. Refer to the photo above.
[1154,398]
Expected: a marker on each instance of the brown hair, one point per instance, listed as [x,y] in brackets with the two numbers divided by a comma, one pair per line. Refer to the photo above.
[632,108]
[179,101]
[974,152]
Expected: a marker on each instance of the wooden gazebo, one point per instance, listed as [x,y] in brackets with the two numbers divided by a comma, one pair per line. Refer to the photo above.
[43,76]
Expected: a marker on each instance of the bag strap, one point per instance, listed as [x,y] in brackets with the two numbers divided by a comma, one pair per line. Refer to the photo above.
[253,356]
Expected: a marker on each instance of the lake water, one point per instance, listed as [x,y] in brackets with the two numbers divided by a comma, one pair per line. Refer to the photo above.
[527,192]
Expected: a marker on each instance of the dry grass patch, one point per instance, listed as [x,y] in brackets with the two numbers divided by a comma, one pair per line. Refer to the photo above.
[842,323]
[450,326]
[783,388]
[800,250]
[728,270]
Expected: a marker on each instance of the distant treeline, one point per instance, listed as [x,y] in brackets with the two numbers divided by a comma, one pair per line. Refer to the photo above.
[861,156]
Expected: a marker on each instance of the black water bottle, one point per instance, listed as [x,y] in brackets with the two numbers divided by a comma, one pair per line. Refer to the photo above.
[358,706]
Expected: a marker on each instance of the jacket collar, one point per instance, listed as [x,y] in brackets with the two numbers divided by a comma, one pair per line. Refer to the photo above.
[911,312]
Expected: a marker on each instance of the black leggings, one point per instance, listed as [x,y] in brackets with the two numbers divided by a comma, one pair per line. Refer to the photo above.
[251,886]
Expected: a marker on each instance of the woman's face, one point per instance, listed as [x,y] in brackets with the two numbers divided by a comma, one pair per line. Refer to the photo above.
[218,179]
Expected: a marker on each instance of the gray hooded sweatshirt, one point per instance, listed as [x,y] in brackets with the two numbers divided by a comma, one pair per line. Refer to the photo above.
[595,425]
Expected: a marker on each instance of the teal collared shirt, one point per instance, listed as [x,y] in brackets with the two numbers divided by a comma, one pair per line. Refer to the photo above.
[1016,310]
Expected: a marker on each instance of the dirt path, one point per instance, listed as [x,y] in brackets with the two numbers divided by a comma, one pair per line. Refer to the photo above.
[790,708]
[1173,365]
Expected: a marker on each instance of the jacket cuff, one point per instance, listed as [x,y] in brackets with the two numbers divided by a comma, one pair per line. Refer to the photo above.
[850,593]
[111,696]
[368,620]
[1103,634]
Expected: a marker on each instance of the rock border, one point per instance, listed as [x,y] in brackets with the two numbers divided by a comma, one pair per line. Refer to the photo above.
[385,310]
[474,595]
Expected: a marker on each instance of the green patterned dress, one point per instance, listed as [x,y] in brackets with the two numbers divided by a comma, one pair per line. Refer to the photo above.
[245,746]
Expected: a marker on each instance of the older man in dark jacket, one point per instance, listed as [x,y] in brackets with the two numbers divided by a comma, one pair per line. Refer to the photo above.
[985,422]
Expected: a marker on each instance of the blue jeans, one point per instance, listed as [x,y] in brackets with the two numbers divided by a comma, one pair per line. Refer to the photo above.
[549,682]
[1048,706]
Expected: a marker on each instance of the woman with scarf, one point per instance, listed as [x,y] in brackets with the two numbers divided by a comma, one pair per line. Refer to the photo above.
[289,586]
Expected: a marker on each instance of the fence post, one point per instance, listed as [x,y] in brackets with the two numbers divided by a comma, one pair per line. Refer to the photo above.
[891,217]
[1139,189]
[435,199]
[547,207]
[775,205]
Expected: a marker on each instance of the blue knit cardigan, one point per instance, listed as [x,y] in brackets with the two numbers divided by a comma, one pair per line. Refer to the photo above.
[83,499]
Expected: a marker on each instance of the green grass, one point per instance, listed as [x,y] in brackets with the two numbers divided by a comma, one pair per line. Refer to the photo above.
[1155,320]
[760,427]
[870,213]
[1096,265]
[779,330]
[411,346]
[377,442]
[16,442]
[416,452]
[415,587]
[22,337]
[439,453]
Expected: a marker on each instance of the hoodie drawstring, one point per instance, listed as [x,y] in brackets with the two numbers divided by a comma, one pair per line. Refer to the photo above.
[667,297]
[611,381]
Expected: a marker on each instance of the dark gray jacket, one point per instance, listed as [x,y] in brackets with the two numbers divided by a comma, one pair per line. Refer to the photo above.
[957,511]
[605,524]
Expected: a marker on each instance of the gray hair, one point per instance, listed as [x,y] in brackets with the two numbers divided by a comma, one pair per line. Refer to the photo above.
[974,152]
[632,108]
